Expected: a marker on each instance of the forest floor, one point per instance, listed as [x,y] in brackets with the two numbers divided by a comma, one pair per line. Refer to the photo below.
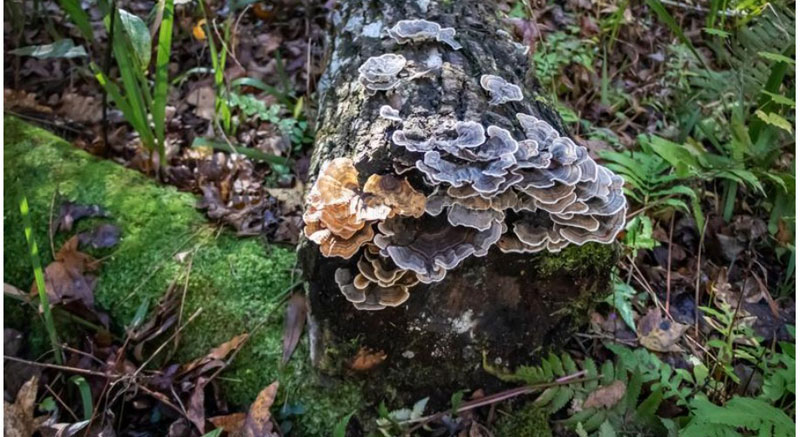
[692,105]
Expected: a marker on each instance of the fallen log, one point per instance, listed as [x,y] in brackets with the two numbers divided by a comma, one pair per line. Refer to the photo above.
[451,216]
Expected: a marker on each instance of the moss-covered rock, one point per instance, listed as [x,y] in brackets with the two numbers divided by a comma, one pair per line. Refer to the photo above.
[236,282]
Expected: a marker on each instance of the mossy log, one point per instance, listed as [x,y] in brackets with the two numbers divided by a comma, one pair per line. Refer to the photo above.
[237,282]
[510,307]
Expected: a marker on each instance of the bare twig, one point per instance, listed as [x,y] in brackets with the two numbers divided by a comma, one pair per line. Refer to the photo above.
[498,397]
[164,344]
[64,368]
[63,404]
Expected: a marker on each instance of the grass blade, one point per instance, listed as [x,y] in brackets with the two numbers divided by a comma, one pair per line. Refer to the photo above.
[79,17]
[254,154]
[162,76]
[131,82]
[666,18]
[86,396]
[38,275]
[116,96]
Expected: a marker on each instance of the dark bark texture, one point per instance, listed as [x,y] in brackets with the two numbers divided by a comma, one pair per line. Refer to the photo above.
[512,308]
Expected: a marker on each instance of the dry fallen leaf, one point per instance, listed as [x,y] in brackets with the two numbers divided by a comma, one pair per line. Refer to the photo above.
[658,333]
[217,353]
[606,396]
[259,419]
[231,423]
[203,100]
[293,325]
[80,108]
[66,278]
[197,410]
[101,237]
[291,198]
[366,359]
[21,101]
[18,420]
[70,212]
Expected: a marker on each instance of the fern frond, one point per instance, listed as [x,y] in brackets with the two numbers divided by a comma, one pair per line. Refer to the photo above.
[739,413]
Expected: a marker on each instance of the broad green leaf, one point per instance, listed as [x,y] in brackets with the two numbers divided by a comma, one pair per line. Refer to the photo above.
[138,35]
[606,430]
[419,408]
[779,99]
[63,48]
[623,293]
[774,120]
[48,404]
[639,233]
[777,57]
[676,154]
[75,10]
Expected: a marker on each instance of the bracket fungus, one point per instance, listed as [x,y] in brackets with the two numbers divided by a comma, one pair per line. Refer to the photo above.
[339,214]
[389,113]
[379,73]
[522,187]
[405,31]
[499,90]
[431,246]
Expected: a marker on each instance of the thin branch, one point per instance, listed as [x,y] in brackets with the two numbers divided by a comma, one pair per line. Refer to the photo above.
[498,397]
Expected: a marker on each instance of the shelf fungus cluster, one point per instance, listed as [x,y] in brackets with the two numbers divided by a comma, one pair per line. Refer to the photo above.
[459,187]
[405,31]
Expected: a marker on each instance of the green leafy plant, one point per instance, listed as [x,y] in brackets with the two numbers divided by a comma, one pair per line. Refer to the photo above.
[389,421]
[63,48]
[340,430]
[621,299]
[744,122]
[219,58]
[708,419]
[143,105]
[291,126]
[608,399]
[559,50]
[656,185]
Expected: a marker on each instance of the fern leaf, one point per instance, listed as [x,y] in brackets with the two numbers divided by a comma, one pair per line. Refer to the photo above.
[562,397]
[738,413]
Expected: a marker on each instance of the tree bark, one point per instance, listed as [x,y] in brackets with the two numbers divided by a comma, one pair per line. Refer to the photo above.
[509,307]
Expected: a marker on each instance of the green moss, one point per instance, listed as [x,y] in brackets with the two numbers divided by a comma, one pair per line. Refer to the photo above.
[529,421]
[577,259]
[235,282]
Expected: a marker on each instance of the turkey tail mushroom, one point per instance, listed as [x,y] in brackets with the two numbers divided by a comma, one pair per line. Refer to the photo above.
[521,186]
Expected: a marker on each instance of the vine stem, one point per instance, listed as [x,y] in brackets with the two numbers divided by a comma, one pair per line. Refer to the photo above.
[498,397]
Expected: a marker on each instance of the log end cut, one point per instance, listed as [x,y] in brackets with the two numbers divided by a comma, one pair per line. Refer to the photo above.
[509,307]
